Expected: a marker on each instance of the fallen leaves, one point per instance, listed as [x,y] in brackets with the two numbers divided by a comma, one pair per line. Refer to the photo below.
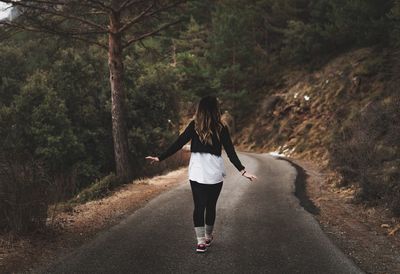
[391,230]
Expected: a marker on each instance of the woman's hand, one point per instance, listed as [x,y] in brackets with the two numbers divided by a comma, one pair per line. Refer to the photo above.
[249,176]
[152,159]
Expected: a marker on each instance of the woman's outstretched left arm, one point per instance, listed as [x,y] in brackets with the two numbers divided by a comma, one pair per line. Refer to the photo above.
[230,151]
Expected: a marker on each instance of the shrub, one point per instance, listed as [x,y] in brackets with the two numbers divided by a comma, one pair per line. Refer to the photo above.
[23,193]
[98,189]
[366,150]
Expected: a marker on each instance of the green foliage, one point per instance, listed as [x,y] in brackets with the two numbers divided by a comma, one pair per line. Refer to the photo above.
[12,73]
[235,56]
[42,125]
[37,123]
[301,43]
[334,26]
[56,124]
[394,19]
[37,145]
[192,69]
[81,80]
[100,188]
[152,103]
[193,76]
[194,40]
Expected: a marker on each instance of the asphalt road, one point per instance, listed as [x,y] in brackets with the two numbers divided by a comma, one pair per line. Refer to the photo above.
[260,228]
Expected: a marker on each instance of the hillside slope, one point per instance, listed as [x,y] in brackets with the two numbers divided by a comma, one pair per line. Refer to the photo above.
[343,116]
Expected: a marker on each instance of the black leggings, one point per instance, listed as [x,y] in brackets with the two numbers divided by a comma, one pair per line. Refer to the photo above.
[205,198]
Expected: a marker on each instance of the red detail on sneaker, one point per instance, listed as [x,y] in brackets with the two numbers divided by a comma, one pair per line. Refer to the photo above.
[201,248]
[209,240]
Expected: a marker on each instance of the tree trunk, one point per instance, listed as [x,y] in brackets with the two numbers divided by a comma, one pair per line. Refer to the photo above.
[118,98]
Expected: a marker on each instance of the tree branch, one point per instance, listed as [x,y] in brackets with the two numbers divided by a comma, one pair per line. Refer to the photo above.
[54,3]
[129,3]
[137,18]
[99,3]
[87,22]
[146,14]
[165,8]
[7,34]
[53,31]
[151,33]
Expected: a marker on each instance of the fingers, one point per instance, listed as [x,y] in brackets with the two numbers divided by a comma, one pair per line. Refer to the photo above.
[251,177]
[152,159]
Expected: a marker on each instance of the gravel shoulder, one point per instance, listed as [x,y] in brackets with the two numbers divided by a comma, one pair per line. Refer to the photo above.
[367,234]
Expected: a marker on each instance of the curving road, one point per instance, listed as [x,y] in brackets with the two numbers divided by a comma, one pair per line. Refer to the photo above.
[260,228]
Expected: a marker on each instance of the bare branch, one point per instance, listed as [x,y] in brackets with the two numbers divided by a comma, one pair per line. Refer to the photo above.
[54,3]
[89,41]
[146,14]
[137,18]
[151,33]
[95,13]
[57,32]
[82,20]
[129,3]
[101,4]
[150,50]
[167,7]
[63,3]
[7,35]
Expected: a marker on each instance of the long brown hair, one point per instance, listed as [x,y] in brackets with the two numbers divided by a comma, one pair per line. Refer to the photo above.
[208,119]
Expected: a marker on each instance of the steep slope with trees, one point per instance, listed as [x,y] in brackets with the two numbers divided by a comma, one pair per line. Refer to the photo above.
[313,79]
[261,57]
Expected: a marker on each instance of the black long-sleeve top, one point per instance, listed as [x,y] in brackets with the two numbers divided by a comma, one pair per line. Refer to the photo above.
[197,146]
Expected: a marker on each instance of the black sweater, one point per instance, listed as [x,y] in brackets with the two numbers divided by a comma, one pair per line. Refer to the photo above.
[197,146]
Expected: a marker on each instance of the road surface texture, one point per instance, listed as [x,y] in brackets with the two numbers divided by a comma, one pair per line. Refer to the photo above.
[260,228]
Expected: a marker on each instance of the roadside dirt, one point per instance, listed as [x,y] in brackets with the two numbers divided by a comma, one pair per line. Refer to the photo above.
[368,235]
[73,228]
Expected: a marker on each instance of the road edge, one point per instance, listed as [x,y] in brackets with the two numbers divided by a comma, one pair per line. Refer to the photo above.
[300,187]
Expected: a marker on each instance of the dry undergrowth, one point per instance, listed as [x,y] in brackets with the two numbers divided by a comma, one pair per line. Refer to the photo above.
[73,227]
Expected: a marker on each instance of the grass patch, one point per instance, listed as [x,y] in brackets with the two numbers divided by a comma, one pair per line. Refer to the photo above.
[98,189]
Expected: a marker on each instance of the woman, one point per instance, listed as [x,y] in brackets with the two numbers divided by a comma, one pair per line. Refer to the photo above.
[206,167]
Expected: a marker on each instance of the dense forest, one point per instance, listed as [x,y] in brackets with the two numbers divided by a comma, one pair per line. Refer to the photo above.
[55,102]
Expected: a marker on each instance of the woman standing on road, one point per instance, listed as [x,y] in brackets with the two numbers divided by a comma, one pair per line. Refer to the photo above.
[206,167]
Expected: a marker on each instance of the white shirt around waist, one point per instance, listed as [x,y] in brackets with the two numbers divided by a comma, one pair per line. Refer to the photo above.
[206,168]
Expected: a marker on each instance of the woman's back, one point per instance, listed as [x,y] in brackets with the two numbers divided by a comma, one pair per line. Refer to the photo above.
[190,134]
